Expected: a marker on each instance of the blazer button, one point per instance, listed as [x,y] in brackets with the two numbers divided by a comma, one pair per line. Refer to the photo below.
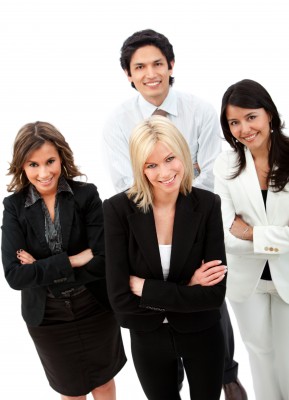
[271,249]
[276,250]
[266,248]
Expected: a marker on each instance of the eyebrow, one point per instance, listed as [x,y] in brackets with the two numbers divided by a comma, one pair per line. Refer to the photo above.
[246,115]
[169,155]
[141,63]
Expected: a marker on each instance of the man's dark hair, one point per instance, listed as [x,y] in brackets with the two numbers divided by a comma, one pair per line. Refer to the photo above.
[141,39]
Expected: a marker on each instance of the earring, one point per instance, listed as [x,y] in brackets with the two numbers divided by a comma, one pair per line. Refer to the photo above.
[20,178]
[65,170]
[271,130]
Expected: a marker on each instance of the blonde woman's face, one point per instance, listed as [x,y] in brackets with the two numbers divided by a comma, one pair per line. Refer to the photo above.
[164,170]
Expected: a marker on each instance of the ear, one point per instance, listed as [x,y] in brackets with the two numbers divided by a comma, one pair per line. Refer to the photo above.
[172,67]
[128,76]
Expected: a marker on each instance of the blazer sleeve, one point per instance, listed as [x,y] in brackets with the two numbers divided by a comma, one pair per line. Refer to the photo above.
[233,245]
[264,237]
[43,272]
[170,296]
[121,298]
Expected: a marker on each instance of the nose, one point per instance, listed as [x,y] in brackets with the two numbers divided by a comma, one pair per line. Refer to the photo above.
[150,72]
[245,127]
[164,171]
[43,172]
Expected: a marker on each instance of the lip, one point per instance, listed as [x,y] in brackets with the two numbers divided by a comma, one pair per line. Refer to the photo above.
[152,84]
[168,181]
[45,182]
[250,137]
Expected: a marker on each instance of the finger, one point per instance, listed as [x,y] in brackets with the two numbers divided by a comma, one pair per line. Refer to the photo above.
[215,281]
[210,264]
[214,270]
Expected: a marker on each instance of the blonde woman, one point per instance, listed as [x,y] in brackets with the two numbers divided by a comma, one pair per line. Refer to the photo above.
[166,266]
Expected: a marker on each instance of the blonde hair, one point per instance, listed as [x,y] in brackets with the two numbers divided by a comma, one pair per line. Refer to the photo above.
[142,142]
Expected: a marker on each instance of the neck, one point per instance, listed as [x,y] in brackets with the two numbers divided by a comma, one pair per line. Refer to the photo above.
[167,201]
[157,101]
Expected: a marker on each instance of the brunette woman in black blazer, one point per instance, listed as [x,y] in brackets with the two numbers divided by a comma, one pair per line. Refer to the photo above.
[166,268]
[53,251]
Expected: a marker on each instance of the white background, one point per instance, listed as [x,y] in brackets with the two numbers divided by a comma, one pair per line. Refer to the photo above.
[59,62]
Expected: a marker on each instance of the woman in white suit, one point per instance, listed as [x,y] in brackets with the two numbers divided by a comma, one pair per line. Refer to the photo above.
[252,180]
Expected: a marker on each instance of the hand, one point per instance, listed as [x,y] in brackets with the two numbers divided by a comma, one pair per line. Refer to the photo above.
[24,257]
[241,230]
[80,259]
[136,285]
[208,274]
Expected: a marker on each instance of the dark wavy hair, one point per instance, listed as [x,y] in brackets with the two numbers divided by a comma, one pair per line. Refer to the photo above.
[250,94]
[30,138]
[141,39]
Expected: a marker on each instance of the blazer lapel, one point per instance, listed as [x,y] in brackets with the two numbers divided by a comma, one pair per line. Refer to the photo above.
[66,212]
[144,231]
[251,186]
[35,218]
[186,226]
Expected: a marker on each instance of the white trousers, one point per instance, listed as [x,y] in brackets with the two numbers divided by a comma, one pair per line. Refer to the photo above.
[263,321]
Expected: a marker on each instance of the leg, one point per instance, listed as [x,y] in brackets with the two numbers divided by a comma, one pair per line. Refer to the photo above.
[231,366]
[280,323]
[232,386]
[255,324]
[105,392]
[204,362]
[73,397]
[155,361]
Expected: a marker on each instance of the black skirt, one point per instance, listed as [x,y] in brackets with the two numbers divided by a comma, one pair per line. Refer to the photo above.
[79,344]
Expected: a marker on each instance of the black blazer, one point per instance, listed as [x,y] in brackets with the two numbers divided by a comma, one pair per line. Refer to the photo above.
[81,222]
[132,249]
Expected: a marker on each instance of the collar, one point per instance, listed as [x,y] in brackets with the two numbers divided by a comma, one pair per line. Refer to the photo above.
[33,195]
[169,105]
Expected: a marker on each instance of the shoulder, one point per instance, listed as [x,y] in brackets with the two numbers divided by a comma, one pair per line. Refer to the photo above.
[84,191]
[16,199]
[225,161]
[122,111]
[203,196]
[194,103]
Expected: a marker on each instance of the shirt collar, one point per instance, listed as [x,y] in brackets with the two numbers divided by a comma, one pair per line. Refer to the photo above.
[169,105]
[33,195]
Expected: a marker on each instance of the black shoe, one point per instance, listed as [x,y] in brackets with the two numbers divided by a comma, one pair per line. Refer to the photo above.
[235,391]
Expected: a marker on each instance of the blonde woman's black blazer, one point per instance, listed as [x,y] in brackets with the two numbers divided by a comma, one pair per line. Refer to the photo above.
[132,249]
[81,221]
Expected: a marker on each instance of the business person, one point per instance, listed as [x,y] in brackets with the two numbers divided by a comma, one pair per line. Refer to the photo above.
[53,251]
[148,59]
[166,266]
[252,180]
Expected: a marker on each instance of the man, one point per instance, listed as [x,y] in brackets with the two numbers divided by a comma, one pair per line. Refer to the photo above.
[148,59]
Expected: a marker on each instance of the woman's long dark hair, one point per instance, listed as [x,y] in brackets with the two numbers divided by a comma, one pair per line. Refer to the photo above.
[250,94]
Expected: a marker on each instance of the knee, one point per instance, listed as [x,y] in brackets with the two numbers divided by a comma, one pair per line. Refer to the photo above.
[107,387]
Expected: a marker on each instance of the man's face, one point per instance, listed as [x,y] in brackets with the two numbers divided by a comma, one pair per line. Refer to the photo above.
[150,74]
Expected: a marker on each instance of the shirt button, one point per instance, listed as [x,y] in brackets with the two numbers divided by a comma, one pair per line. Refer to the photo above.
[266,248]
[271,249]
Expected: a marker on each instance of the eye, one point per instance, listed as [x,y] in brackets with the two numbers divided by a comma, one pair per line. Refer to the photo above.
[159,63]
[171,158]
[138,67]
[33,164]
[151,166]
[252,117]
[50,161]
[233,123]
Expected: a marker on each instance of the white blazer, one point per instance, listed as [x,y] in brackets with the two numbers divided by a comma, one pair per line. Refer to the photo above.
[246,259]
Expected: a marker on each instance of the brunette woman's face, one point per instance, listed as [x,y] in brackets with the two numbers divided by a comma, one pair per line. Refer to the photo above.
[250,127]
[43,169]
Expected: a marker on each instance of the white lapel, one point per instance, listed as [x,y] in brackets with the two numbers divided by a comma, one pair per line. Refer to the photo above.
[250,184]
